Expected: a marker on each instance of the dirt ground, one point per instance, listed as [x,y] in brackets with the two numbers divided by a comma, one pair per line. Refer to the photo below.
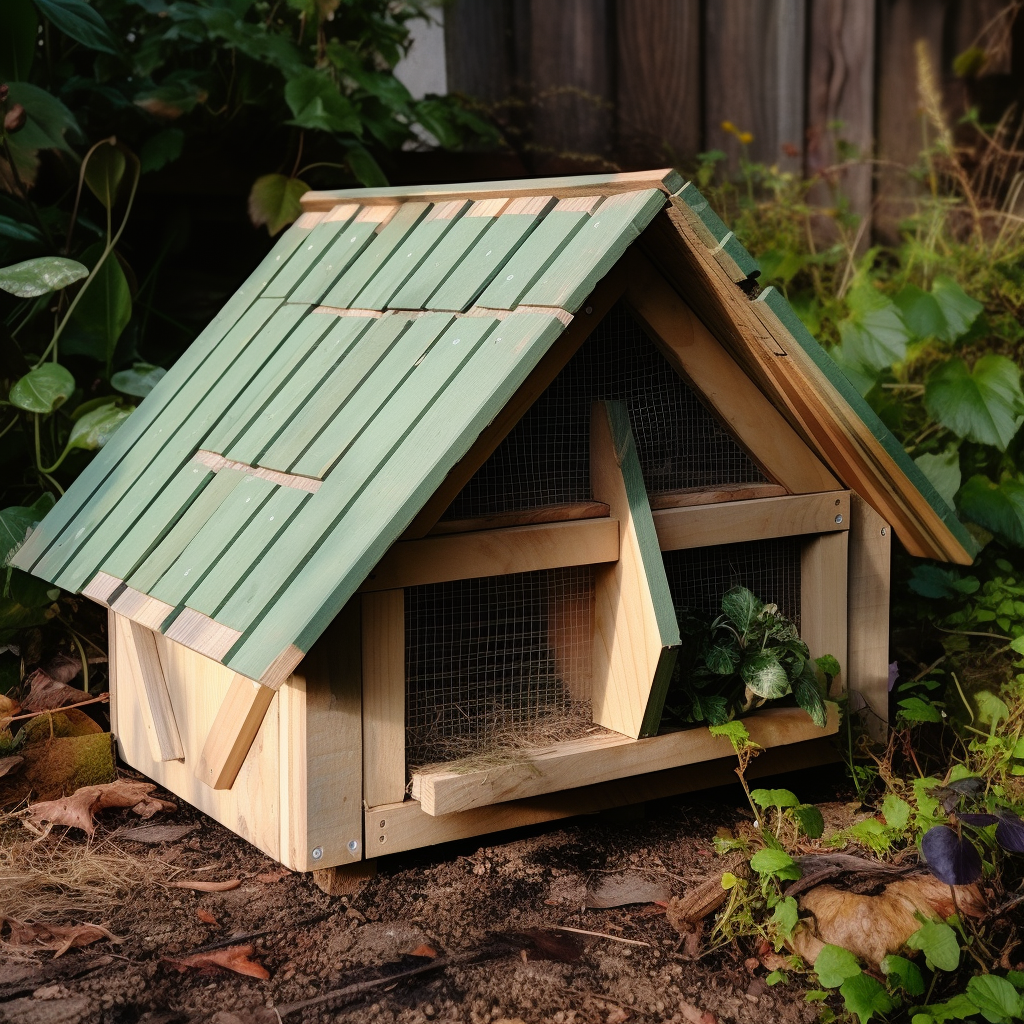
[488,909]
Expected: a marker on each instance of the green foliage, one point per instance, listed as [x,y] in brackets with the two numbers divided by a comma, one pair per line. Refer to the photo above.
[41,276]
[938,941]
[982,404]
[835,965]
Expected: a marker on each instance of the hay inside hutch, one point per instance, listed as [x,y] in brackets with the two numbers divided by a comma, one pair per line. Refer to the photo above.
[398,551]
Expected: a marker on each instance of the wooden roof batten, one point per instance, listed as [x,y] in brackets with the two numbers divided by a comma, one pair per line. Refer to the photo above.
[284,454]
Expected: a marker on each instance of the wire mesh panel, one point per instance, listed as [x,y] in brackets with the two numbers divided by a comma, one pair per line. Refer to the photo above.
[502,660]
[545,459]
[699,577]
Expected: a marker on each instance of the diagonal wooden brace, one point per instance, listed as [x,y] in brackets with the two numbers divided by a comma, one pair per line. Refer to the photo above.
[238,720]
[154,700]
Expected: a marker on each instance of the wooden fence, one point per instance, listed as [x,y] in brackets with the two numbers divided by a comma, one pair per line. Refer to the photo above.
[605,84]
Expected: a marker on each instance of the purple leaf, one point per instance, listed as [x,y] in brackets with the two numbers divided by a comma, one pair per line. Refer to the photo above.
[1010,832]
[978,820]
[894,674]
[951,858]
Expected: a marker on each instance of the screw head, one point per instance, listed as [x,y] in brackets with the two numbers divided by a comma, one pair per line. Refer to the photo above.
[589,310]
[883,531]
[318,853]
[353,845]
[382,839]
[839,518]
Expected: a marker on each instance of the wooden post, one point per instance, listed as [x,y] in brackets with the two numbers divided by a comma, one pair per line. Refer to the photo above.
[823,617]
[154,700]
[868,673]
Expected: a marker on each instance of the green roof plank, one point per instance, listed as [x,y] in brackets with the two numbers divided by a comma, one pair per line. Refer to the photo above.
[537,253]
[246,550]
[309,251]
[182,532]
[496,245]
[377,253]
[403,480]
[594,250]
[347,377]
[347,248]
[717,234]
[442,259]
[160,452]
[406,259]
[277,404]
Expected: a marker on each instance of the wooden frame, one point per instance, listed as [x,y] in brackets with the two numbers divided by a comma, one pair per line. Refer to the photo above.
[823,597]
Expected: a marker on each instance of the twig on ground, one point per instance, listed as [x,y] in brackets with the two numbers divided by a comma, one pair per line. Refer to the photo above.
[599,935]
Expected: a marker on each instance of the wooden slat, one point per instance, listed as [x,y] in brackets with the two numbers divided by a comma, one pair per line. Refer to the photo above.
[635,627]
[714,495]
[497,244]
[310,252]
[154,701]
[593,251]
[205,636]
[449,251]
[376,255]
[468,556]
[524,517]
[235,727]
[141,608]
[282,399]
[699,358]
[823,599]
[535,255]
[733,522]
[562,187]
[383,646]
[290,480]
[353,534]
[868,609]
[575,763]
[102,587]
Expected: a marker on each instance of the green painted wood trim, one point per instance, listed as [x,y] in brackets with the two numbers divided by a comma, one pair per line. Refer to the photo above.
[780,306]
[404,262]
[594,250]
[652,559]
[288,395]
[532,259]
[246,550]
[373,399]
[360,535]
[335,262]
[162,557]
[670,182]
[376,254]
[495,246]
[690,195]
[347,378]
[305,256]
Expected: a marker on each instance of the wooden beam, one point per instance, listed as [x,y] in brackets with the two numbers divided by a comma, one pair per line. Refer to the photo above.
[154,700]
[714,495]
[596,759]
[733,522]
[823,597]
[868,603]
[234,728]
[635,629]
[727,389]
[468,556]
[383,643]
[524,517]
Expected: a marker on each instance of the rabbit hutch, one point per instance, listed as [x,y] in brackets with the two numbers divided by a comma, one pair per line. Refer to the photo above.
[403,548]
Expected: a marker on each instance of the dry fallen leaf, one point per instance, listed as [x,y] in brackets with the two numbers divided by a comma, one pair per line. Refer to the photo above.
[544,944]
[206,917]
[8,764]
[47,693]
[58,937]
[8,706]
[201,886]
[79,809]
[424,950]
[232,958]
[694,1014]
[625,888]
[270,877]
[156,833]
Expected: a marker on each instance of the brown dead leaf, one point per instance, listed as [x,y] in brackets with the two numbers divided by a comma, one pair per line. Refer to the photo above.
[424,950]
[873,926]
[694,1014]
[231,958]
[200,886]
[8,764]
[543,944]
[270,877]
[625,888]
[156,833]
[58,937]
[47,693]
[206,917]
[79,809]
[8,707]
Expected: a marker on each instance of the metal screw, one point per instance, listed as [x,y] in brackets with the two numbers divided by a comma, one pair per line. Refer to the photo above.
[382,839]
[837,500]
[839,518]
[589,310]
[353,845]
[383,823]
[318,853]
[883,531]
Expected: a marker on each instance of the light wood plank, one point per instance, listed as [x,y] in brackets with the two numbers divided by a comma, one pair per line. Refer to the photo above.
[383,638]
[602,758]
[154,701]
[733,522]
[202,634]
[714,495]
[523,517]
[635,627]
[868,585]
[217,462]
[232,733]
[469,556]
[697,357]
[823,599]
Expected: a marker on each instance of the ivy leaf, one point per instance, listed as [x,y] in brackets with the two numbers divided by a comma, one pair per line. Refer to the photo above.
[274,201]
[765,676]
[864,997]
[161,149]
[834,965]
[957,1008]
[786,916]
[75,18]
[896,811]
[362,164]
[139,380]
[914,709]
[997,507]
[921,312]
[984,404]
[810,819]
[48,123]
[959,310]
[938,942]
[102,313]
[904,973]
[935,582]
[18,521]
[874,335]
[316,103]
[40,276]
[735,732]
[777,863]
[742,607]
[991,710]
[104,171]
[996,998]
[43,389]
[97,426]
[942,471]
[765,798]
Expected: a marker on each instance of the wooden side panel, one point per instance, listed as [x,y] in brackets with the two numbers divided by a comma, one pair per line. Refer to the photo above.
[868,586]
[383,645]
[154,702]
[196,687]
[823,599]
[635,628]
[321,751]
